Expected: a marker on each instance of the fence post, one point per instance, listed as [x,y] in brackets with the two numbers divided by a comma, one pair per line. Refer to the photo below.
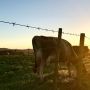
[57,58]
[82,39]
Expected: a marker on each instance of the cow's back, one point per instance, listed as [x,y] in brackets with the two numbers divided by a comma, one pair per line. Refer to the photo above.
[48,46]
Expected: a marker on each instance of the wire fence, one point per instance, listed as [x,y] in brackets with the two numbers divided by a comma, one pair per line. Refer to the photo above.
[39,28]
[43,29]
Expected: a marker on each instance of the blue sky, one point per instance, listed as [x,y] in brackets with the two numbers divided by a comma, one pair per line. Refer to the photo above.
[71,15]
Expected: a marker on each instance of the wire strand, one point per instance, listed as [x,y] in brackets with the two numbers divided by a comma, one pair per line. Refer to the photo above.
[39,28]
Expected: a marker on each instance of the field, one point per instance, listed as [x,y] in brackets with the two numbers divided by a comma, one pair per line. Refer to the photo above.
[16,74]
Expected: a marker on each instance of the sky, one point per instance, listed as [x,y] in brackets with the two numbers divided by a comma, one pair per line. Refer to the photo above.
[73,16]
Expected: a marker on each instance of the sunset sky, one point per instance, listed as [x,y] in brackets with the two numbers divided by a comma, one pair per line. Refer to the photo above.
[72,16]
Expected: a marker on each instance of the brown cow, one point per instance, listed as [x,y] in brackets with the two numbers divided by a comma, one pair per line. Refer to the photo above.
[45,48]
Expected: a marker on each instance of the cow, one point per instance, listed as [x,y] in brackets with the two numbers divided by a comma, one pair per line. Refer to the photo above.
[45,49]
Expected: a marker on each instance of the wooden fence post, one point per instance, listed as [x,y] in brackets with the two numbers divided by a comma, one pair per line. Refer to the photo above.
[81,66]
[57,58]
[82,39]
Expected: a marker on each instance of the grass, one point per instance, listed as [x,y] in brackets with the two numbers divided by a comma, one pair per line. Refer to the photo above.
[16,74]
[15,71]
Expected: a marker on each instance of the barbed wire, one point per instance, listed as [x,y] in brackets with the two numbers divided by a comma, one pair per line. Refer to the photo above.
[71,34]
[39,28]
[28,26]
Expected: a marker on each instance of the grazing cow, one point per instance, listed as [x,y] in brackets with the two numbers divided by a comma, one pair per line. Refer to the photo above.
[45,49]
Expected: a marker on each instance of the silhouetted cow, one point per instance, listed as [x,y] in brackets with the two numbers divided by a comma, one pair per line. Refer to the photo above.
[45,49]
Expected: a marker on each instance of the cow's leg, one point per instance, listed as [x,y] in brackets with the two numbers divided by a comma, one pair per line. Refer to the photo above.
[69,68]
[79,65]
[41,68]
[68,63]
[40,64]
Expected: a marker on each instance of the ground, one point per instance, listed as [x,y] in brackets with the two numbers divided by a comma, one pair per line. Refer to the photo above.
[16,74]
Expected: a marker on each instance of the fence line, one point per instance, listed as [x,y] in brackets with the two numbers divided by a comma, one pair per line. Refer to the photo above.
[39,28]
[28,26]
